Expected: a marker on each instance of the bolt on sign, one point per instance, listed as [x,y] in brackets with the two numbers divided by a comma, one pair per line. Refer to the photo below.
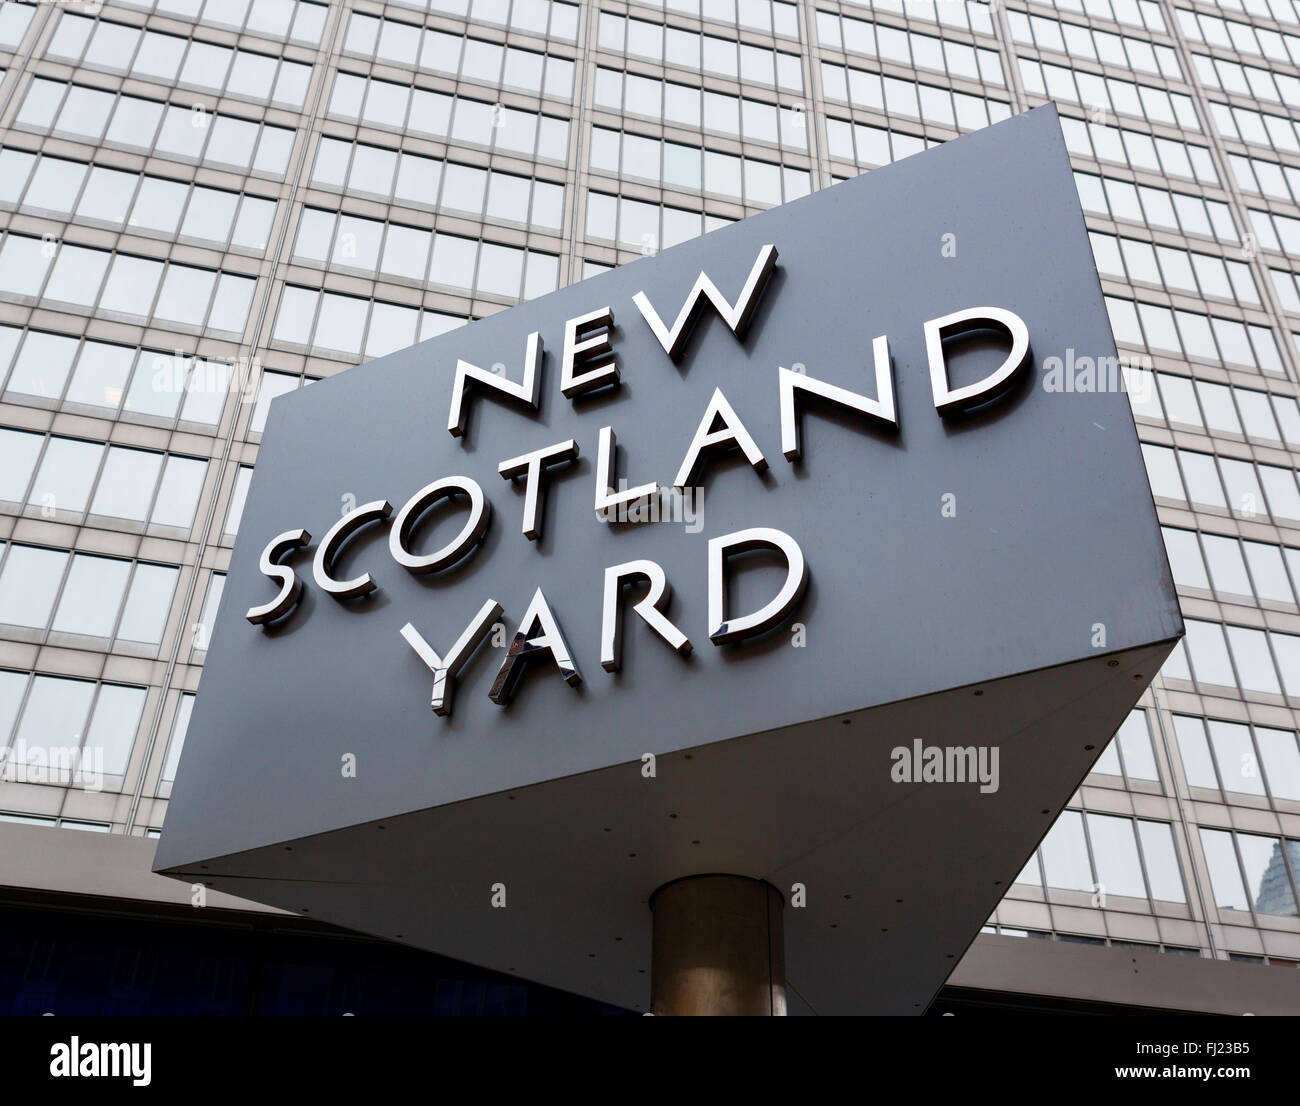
[649,576]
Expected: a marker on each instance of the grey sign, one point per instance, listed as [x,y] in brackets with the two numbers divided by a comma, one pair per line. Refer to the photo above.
[437,732]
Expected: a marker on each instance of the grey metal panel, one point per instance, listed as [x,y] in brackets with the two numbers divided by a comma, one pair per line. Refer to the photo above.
[1054,531]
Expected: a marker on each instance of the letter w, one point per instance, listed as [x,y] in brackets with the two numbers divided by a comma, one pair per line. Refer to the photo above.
[737,318]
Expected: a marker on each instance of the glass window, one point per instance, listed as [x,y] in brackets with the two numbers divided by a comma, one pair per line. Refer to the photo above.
[1255,669]
[1280,487]
[1114,848]
[178,493]
[1162,470]
[184,707]
[108,195]
[273,384]
[1065,855]
[237,497]
[66,474]
[417,179]
[157,385]
[1163,872]
[453,261]
[1135,745]
[1235,753]
[209,215]
[12,686]
[1185,558]
[113,726]
[131,284]
[253,226]
[500,270]
[297,315]
[1225,875]
[342,323]
[126,484]
[76,275]
[1227,569]
[18,453]
[29,582]
[1208,653]
[55,714]
[206,390]
[1281,757]
[42,365]
[1266,875]
[406,251]
[1287,648]
[185,295]
[211,603]
[463,187]
[1202,478]
[1219,412]
[91,596]
[145,614]
[159,205]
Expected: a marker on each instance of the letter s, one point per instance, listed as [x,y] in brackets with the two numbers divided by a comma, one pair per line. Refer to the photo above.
[290,585]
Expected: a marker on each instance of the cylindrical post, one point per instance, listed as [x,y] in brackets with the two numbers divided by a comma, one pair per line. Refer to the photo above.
[718,947]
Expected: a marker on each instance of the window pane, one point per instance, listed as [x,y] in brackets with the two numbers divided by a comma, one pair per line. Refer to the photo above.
[1281,760]
[113,726]
[1185,558]
[1065,856]
[1198,767]
[1114,849]
[1235,754]
[42,365]
[1163,873]
[127,483]
[145,614]
[55,714]
[1227,569]
[1255,671]
[1209,654]
[18,453]
[91,596]
[101,376]
[1268,572]
[178,494]
[1135,744]
[1266,876]
[179,728]
[12,686]
[1225,875]
[66,474]
[28,584]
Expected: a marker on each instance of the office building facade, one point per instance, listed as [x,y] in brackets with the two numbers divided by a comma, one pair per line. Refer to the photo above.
[208,204]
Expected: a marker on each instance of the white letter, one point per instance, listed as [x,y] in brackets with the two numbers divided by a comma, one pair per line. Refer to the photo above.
[607,499]
[538,633]
[323,566]
[649,608]
[480,514]
[594,350]
[731,432]
[723,629]
[532,465]
[882,407]
[525,392]
[290,585]
[947,400]
[445,670]
[737,318]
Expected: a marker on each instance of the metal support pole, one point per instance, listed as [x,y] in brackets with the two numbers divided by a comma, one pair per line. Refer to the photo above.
[718,947]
